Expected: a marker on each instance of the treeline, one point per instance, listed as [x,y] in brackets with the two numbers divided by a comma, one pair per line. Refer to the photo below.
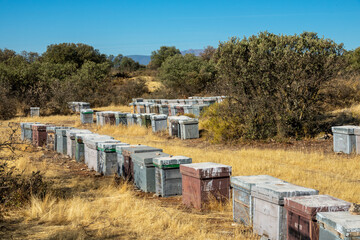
[65,72]
[277,85]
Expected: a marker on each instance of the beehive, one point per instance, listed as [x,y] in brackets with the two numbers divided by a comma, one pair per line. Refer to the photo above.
[168,179]
[159,122]
[202,181]
[108,164]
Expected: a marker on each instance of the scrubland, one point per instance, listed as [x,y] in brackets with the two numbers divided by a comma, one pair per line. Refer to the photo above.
[99,207]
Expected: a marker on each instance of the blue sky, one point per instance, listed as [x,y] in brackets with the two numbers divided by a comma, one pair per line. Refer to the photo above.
[140,27]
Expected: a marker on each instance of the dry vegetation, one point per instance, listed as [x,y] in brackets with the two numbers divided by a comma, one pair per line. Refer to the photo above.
[97,207]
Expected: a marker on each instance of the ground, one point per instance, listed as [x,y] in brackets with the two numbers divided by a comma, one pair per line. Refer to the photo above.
[83,205]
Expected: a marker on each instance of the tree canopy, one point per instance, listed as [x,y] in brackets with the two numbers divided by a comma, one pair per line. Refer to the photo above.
[159,56]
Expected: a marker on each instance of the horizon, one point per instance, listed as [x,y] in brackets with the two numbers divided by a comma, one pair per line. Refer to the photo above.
[128,28]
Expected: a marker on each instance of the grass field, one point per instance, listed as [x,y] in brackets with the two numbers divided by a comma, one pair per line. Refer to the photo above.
[97,207]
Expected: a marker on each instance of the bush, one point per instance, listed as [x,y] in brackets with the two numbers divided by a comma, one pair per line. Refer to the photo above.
[273,82]
[130,89]
[7,105]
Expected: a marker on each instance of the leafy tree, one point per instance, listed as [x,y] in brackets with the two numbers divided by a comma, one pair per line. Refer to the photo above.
[273,82]
[159,56]
[186,75]
[72,53]
[128,65]
[208,53]
[354,59]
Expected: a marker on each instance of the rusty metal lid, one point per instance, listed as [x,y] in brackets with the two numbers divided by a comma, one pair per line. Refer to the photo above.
[247,182]
[310,205]
[206,170]
[276,192]
[344,223]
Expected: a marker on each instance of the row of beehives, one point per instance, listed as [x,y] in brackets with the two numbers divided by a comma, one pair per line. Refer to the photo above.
[179,126]
[275,209]
[78,106]
[173,107]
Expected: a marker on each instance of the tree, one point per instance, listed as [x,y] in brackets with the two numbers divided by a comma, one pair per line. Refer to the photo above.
[159,56]
[354,59]
[273,82]
[72,53]
[187,75]
[208,53]
[128,65]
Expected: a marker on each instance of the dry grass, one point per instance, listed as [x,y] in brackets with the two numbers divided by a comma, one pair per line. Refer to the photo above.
[105,210]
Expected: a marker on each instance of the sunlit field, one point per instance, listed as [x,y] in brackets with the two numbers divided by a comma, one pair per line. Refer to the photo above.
[99,207]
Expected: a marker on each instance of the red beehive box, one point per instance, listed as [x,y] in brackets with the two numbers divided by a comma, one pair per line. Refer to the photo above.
[202,180]
[301,214]
[39,135]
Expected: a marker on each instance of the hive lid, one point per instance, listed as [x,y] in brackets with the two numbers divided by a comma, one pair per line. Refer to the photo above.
[94,143]
[342,222]
[140,149]
[158,117]
[206,170]
[28,125]
[147,157]
[61,131]
[80,137]
[90,139]
[310,205]
[72,133]
[130,115]
[110,147]
[87,111]
[178,118]
[171,161]
[52,128]
[345,129]
[120,148]
[189,121]
[247,182]
[276,192]
[34,108]
[120,114]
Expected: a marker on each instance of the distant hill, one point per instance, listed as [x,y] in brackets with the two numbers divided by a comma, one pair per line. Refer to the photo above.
[142,59]
[196,52]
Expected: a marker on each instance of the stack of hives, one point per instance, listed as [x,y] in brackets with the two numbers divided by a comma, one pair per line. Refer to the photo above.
[275,209]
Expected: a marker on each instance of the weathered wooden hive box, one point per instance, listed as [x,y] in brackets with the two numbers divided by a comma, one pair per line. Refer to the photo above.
[91,151]
[130,118]
[338,226]
[34,111]
[198,108]
[86,116]
[144,169]
[128,170]
[164,109]
[120,159]
[243,206]
[138,119]
[174,126]
[61,145]
[269,218]
[109,118]
[301,214]
[27,128]
[189,128]
[344,138]
[39,135]
[159,122]
[120,118]
[79,145]
[188,109]
[202,181]
[179,109]
[108,164]
[51,137]
[146,119]
[168,179]
[70,141]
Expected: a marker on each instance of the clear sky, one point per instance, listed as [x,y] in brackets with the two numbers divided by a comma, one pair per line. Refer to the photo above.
[139,27]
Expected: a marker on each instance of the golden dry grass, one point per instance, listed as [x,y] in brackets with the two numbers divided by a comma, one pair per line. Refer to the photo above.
[110,211]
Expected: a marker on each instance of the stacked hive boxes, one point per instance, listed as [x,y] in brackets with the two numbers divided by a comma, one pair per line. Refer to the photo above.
[86,116]
[108,164]
[346,139]
[51,137]
[39,135]
[144,169]
[269,214]
[70,140]
[201,181]
[128,166]
[168,180]
[301,214]
[120,118]
[243,203]
[158,122]
[34,111]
